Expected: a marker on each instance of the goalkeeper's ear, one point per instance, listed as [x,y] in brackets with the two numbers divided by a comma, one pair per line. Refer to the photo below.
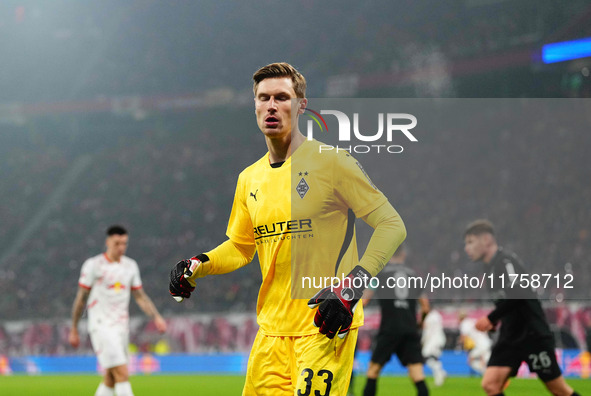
[303,103]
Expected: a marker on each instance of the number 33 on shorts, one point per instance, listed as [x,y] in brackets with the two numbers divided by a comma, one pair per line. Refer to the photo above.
[308,375]
[311,365]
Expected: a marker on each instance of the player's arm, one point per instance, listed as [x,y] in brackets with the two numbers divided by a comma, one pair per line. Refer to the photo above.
[389,232]
[145,303]
[357,192]
[336,305]
[77,311]
[425,308]
[234,253]
[227,257]
[353,187]
[502,308]
[508,299]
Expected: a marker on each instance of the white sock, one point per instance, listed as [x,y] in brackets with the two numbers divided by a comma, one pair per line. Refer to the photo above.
[103,390]
[123,389]
[436,366]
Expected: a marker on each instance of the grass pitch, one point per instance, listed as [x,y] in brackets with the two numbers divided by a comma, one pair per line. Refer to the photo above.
[222,385]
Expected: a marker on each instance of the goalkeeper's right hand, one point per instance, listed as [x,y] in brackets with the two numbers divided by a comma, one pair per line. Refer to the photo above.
[181,282]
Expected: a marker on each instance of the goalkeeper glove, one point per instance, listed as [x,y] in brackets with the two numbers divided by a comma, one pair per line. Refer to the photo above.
[181,285]
[336,304]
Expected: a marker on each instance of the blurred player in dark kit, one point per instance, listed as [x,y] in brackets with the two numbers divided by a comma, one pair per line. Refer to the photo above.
[524,334]
[399,332]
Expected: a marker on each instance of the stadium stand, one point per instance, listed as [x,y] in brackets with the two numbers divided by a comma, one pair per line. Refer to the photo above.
[106,49]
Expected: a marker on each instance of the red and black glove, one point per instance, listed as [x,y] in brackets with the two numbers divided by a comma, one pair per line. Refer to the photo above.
[181,285]
[336,304]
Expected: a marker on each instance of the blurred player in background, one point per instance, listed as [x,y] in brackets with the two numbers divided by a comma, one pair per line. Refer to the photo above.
[433,341]
[476,342]
[525,334]
[295,350]
[106,283]
[399,332]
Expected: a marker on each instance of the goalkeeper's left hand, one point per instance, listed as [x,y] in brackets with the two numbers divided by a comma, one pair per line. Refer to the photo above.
[336,304]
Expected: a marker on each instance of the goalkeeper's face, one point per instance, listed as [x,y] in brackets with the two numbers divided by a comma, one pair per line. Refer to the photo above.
[273,106]
[116,246]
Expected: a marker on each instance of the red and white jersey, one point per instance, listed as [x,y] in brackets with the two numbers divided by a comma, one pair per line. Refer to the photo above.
[110,284]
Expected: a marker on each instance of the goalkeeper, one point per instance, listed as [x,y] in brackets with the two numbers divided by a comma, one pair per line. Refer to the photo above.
[296,208]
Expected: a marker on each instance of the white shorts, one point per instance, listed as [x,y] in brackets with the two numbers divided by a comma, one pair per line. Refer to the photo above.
[111,347]
[432,348]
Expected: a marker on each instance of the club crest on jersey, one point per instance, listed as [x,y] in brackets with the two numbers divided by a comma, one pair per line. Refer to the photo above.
[302,188]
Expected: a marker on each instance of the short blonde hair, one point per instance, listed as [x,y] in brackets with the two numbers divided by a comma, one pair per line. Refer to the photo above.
[281,69]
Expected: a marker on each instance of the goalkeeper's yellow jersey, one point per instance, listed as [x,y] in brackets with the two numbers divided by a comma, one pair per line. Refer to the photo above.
[301,218]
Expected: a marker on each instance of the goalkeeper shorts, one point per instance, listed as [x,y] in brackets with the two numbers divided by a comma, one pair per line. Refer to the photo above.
[304,365]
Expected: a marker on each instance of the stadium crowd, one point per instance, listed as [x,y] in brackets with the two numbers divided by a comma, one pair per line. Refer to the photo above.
[170,177]
[171,181]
